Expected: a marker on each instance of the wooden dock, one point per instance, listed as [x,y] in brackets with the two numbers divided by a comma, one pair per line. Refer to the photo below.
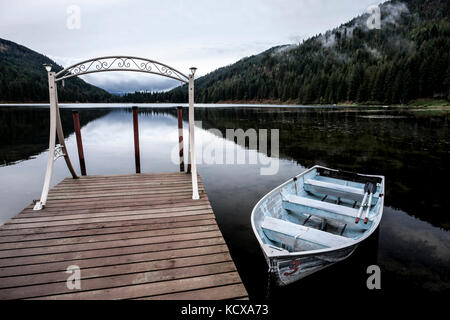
[137,236]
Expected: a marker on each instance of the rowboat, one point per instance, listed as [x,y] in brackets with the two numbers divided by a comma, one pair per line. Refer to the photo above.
[316,219]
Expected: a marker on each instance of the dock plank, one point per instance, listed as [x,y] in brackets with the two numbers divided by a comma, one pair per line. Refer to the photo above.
[135,236]
[154,288]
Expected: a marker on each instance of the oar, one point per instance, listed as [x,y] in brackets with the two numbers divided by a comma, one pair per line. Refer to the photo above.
[361,207]
[369,203]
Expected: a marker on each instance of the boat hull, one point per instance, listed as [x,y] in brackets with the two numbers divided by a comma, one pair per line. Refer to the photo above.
[286,270]
[287,265]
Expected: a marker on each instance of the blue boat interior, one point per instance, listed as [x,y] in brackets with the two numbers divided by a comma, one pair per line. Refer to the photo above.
[321,209]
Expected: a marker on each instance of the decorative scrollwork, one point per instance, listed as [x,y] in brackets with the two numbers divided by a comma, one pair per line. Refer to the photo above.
[58,152]
[121,63]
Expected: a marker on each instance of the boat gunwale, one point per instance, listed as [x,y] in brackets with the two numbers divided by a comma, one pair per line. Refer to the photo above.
[292,255]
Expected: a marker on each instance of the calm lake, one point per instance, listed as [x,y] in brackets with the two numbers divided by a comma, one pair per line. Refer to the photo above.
[412,245]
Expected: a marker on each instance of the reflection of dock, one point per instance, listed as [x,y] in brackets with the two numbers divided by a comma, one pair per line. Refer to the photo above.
[132,236]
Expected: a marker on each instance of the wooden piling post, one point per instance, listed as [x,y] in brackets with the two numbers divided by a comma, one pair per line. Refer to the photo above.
[136,140]
[76,125]
[189,165]
[188,170]
[180,136]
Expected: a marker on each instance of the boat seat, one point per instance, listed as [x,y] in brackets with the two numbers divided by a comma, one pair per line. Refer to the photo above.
[322,209]
[285,231]
[334,189]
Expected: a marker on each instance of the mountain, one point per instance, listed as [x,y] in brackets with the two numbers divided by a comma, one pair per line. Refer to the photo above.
[407,59]
[24,79]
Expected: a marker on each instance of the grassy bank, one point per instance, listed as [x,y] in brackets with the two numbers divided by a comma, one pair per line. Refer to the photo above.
[430,107]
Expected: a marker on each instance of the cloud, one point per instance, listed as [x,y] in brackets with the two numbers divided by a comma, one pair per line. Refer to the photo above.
[328,40]
[374,52]
[181,33]
[284,49]
[392,12]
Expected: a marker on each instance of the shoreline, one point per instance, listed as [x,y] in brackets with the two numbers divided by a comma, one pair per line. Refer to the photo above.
[420,105]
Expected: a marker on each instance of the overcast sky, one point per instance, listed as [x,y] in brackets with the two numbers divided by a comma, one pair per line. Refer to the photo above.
[207,34]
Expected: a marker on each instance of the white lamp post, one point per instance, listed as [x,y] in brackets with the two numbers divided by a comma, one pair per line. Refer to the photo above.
[195,195]
[48,67]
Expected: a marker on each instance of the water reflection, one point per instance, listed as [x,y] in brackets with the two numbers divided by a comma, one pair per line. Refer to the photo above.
[24,130]
[411,247]
[409,151]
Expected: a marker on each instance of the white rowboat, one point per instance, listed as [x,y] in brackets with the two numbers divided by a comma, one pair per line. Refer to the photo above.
[316,219]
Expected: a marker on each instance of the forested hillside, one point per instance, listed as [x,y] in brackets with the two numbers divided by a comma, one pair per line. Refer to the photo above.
[407,59]
[24,79]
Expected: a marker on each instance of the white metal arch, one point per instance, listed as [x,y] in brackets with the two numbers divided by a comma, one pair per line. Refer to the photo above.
[121,63]
[105,64]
